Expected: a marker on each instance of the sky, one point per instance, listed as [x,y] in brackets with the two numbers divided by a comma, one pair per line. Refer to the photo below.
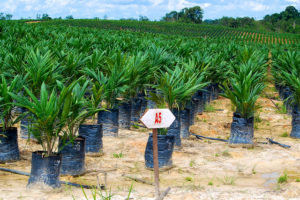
[153,9]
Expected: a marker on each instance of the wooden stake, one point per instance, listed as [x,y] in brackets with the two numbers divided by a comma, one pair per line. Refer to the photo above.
[155,162]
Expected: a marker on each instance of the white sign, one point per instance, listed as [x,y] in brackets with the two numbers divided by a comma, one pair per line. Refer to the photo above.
[157,118]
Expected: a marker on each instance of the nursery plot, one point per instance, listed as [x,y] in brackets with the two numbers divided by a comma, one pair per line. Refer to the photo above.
[202,169]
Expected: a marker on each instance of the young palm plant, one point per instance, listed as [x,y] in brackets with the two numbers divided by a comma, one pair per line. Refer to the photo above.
[176,88]
[48,117]
[9,150]
[291,78]
[246,84]
[115,84]
[72,146]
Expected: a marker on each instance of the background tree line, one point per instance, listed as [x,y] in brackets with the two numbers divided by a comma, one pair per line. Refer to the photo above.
[4,16]
[286,21]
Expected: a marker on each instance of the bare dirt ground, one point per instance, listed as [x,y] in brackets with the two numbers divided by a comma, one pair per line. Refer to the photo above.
[202,169]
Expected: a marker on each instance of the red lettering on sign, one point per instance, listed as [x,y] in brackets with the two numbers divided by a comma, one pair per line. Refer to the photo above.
[157,118]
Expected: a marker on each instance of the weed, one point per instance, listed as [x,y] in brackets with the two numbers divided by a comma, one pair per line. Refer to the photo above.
[225,153]
[255,126]
[253,170]
[283,178]
[282,109]
[118,155]
[298,180]
[180,171]
[209,108]
[98,193]
[285,134]
[192,163]
[210,183]
[257,118]
[229,180]
[217,155]
[204,120]
[135,125]
[188,178]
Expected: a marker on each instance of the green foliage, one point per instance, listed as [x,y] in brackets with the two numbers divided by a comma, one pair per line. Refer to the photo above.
[188,179]
[285,134]
[209,108]
[118,155]
[245,85]
[7,116]
[48,113]
[177,86]
[283,178]
[229,180]
[210,183]
[194,14]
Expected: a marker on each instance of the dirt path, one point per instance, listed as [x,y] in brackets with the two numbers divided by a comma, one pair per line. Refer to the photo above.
[202,169]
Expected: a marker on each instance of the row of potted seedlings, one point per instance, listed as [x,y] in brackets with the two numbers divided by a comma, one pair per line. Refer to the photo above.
[286,72]
[58,113]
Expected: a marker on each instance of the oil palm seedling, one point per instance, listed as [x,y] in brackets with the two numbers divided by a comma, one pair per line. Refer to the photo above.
[291,79]
[285,62]
[243,90]
[176,88]
[72,146]
[49,117]
[90,129]
[9,150]
[40,68]
[114,87]
[193,80]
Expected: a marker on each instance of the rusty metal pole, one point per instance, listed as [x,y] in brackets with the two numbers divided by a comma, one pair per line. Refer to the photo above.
[155,162]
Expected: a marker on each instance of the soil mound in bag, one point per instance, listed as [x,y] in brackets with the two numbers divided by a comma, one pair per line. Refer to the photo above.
[110,122]
[295,123]
[9,149]
[242,130]
[174,129]
[165,145]
[45,171]
[136,106]
[125,115]
[185,123]
[73,157]
[93,137]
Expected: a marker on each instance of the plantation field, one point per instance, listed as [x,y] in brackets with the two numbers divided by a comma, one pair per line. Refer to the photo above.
[235,173]
[191,30]
[73,84]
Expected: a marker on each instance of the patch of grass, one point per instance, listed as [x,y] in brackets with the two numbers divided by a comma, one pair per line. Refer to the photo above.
[282,109]
[135,125]
[209,108]
[118,155]
[225,153]
[204,120]
[257,118]
[285,134]
[188,178]
[255,126]
[229,180]
[283,178]
[253,170]
[210,183]
[298,180]
[217,155]
[192,163]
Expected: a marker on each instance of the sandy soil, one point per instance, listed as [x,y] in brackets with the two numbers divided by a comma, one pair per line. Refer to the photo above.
[202,169]
[33,22]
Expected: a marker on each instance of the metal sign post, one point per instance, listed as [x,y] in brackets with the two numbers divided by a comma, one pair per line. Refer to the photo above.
[157,118]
